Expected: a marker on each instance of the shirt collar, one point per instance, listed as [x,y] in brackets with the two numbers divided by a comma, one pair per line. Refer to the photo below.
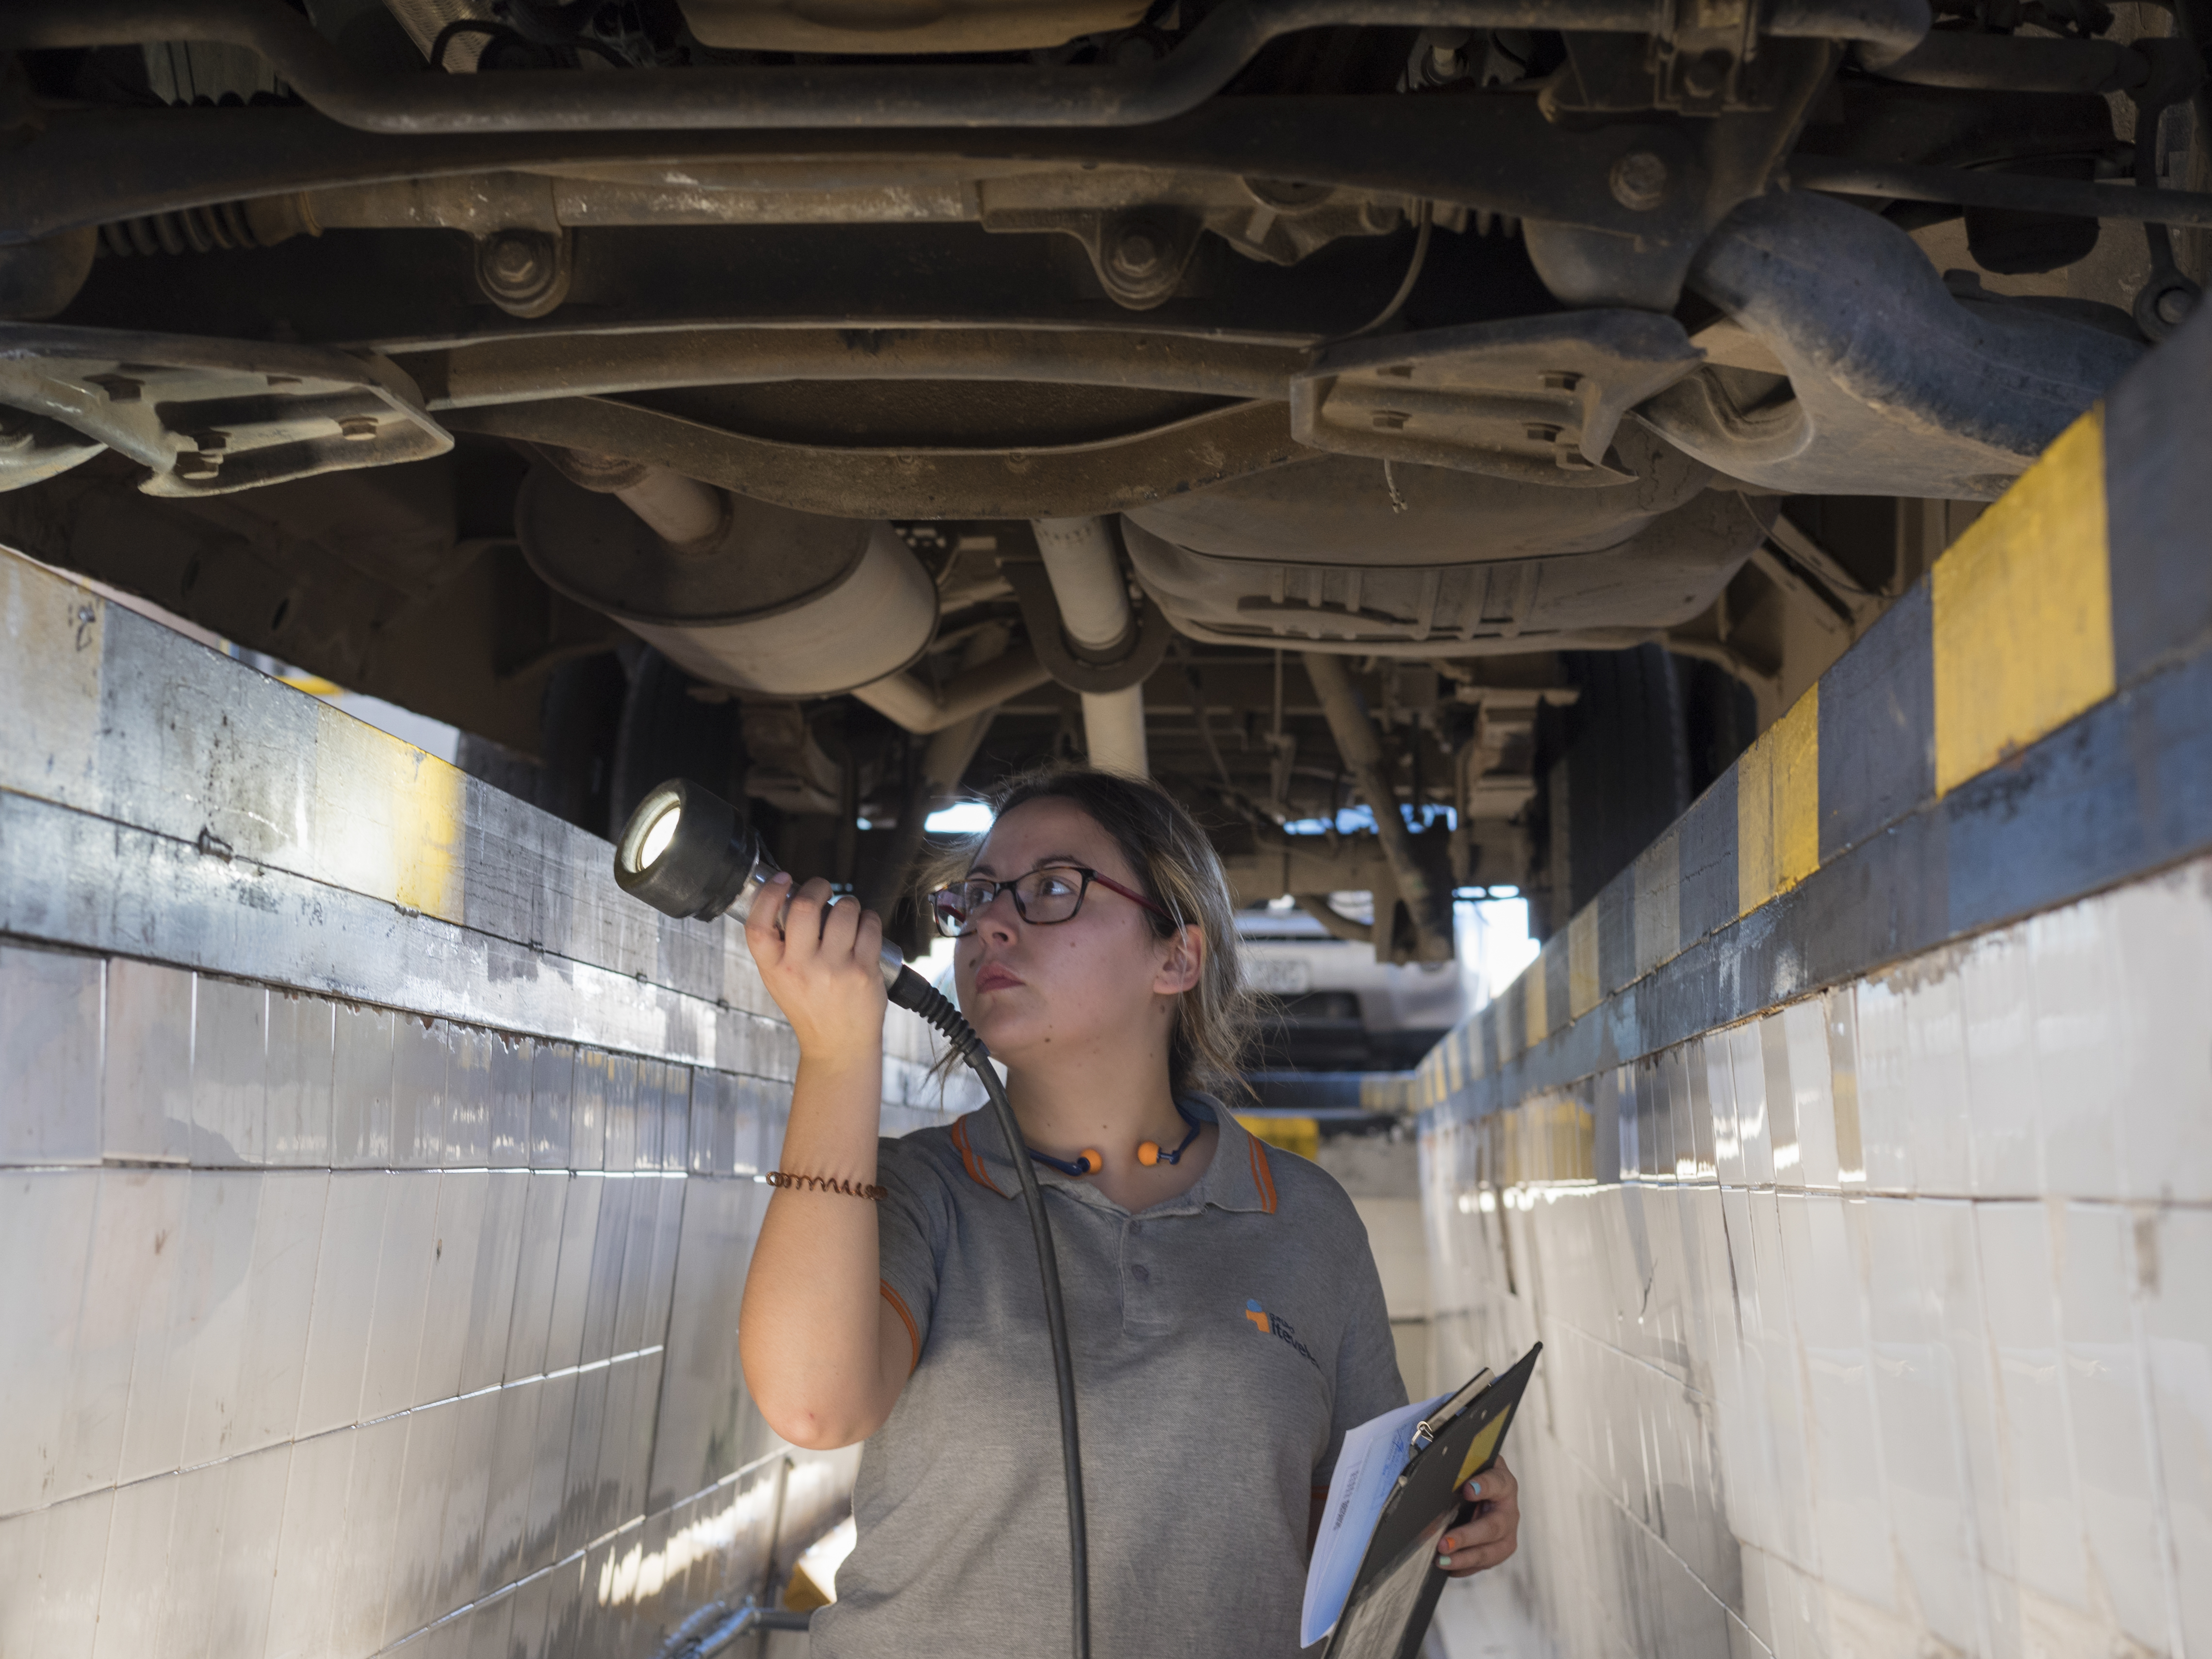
[1239,1179]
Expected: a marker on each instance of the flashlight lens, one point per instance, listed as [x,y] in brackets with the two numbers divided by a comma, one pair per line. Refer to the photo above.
[657,837]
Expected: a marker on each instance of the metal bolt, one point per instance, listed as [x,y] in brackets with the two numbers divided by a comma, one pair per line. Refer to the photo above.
[1542,434]
[1137,252]
[1390,420]
[1639,180]
[2174,306]
[210,441]
[356,427]
[513,264]
[1561,381]
[191,463]
[1703,75]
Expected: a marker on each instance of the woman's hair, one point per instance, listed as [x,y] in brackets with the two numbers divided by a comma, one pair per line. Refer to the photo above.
[1178,867]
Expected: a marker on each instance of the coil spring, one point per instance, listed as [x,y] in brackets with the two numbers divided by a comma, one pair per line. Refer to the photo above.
[185,230]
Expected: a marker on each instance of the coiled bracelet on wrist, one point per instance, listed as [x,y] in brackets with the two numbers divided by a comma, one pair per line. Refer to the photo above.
[825,1184]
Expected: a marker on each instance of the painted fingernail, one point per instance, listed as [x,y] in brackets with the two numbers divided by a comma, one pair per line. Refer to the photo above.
[1474,1489]
[1444,1561]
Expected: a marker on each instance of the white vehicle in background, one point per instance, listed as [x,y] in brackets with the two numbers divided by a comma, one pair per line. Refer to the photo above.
[1331,1007]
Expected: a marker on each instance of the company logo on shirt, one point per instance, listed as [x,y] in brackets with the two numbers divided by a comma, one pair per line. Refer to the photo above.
[1268,1324]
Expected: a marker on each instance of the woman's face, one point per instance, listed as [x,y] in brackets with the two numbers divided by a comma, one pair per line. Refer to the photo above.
[1032,992]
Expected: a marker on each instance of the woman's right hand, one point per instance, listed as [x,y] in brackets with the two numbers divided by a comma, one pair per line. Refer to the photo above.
[819,959]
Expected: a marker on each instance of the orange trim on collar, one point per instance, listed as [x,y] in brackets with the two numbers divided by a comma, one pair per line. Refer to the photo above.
[1262,1177]
[976,1172]
[898,1307]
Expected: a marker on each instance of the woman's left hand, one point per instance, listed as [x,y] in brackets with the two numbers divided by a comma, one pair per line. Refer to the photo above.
[1491,1535]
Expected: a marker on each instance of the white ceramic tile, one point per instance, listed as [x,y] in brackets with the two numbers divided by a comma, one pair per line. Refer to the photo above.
[622,1083]
[311,1550]
[507,1128]
[146,1088]
[1785,1406]
[345,1298]
[2078,990]
[1937,1099]
[676,1118]
[587,1110]
[136,1208]
[288,1241]
[52,1564]
[459,1239]
[302,1032]
[421,1050]
[356,1589]
[2020,1293]
[552,1089]
[2165,931]
[1841,1010]
[192,1564]
[1805,1033]
[230,1064]
[491,1629]
[412,1587]
[1720,1088]
[405,1255]
[469,1098]
[1996,994]
[2107,1397]
[361,1086]
[214,1295]
[1850,1509]
[51,1008]
[2178,1332]
[1781,1101]
[466,1491]
[636,1286]
[548,1475]
[45,1237]
[1747,1066]
[506,1493]
[666,1243]
[253,1499]
[154,1421]
[579,1225]
[498,1262]
[537,1271]
[1884,1100]
[1916,1394]
[134,1610]
[1950,1248]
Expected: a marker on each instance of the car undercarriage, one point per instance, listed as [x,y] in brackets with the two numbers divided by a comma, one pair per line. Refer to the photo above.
[1491,412]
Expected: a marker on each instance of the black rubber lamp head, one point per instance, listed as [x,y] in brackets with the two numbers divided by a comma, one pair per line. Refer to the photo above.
[687,852]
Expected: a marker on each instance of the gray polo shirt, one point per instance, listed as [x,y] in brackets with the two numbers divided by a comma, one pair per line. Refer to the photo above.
[1222,1343]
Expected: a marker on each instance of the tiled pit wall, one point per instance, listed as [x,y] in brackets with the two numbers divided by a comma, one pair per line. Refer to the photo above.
[1890,1332]
[334,1330]
[376,1190]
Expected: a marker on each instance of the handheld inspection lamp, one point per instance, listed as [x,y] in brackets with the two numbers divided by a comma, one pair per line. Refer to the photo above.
[690,854]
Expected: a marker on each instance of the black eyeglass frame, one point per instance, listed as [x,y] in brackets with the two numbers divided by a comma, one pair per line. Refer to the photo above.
[1012,890]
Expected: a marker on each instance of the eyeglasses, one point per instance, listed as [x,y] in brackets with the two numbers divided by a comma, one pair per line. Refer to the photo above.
[1051,894]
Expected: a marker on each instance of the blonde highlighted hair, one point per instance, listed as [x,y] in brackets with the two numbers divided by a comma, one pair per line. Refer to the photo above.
[1176,866]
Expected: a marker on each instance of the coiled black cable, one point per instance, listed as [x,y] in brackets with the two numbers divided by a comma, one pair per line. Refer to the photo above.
[911,991]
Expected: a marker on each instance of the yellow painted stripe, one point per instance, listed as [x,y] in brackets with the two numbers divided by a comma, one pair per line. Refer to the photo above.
[387,819]
[2022,611]
[1582,961]
[1532,1002]
[1778,805]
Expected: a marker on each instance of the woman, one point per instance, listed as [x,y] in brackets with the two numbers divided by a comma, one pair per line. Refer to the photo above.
[1226,1318]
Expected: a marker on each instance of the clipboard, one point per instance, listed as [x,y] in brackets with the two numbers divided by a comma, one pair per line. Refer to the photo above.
[1394,1595]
